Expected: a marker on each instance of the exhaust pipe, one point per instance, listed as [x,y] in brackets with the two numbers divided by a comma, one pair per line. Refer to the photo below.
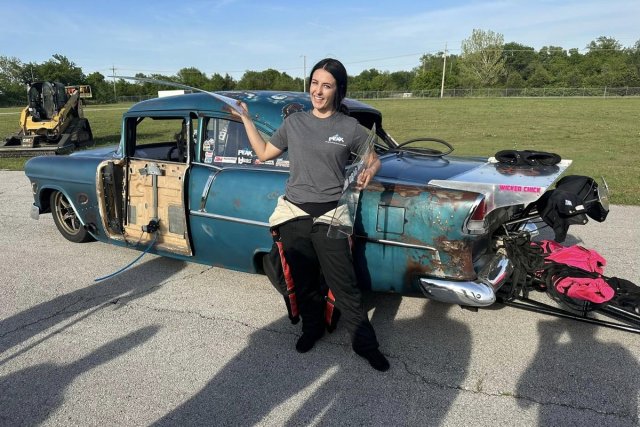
[478,293]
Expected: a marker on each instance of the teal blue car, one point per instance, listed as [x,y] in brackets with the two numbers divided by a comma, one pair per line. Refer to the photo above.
[184,183]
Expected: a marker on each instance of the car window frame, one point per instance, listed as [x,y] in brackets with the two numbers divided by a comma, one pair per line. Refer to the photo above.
[282,163]
[129,132]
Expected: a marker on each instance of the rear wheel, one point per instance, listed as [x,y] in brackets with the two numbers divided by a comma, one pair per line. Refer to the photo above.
[67,220]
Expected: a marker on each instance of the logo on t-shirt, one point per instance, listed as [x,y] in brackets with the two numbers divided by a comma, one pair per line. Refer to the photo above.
[336,139]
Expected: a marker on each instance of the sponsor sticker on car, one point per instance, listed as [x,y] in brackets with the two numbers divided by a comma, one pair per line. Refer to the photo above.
[520,188]
[224,159]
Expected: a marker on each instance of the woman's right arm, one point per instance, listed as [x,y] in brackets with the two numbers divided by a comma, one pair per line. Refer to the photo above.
[263,149]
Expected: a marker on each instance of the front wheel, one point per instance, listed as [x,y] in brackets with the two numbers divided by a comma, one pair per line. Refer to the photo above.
[67,220]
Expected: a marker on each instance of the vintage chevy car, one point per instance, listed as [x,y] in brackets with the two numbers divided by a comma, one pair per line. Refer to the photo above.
[184,183]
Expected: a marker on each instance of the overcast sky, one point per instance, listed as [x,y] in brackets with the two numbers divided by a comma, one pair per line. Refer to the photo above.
[233,36]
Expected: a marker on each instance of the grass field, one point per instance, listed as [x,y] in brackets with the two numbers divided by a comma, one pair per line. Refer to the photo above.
[601,136]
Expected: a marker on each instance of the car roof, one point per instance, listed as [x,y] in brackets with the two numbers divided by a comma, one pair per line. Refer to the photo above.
[267,107]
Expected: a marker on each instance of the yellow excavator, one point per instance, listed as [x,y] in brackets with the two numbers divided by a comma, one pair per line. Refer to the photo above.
[52,123]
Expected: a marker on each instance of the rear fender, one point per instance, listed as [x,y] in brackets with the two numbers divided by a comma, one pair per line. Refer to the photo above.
[416,232]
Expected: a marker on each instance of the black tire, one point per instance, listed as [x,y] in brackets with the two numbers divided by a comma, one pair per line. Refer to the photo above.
[67,220]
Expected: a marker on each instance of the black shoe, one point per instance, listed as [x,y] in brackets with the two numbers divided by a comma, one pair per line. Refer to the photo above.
[376,359]
[307,341]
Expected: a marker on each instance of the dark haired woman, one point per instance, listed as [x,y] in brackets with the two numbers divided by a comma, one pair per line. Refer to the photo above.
[319,143]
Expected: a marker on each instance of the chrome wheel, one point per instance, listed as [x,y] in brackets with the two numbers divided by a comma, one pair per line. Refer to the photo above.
[66,219]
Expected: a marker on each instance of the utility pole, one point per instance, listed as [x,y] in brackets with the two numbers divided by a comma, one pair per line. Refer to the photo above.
[113,73]
[444,67]
[304,73]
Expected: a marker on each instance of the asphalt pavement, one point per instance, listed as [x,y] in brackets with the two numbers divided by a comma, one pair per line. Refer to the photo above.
[173,343]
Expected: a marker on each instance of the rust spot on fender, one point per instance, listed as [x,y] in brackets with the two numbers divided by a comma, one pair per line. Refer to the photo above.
[420,267]
[460,265]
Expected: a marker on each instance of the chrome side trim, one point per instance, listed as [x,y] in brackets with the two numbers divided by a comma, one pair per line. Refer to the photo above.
[394,243]
[206,189]
[229,218]
[436,253]
[244,168]
[207,165]
[190,141]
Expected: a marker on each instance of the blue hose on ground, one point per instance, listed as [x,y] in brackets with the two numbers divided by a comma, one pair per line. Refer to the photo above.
[99,279]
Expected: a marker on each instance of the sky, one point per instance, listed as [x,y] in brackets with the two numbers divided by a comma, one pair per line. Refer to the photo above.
[233,36]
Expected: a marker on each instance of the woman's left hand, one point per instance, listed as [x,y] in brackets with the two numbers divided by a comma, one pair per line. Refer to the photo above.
[364,178]
[373,165]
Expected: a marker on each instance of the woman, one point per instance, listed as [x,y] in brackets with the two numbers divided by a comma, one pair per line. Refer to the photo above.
[319,143]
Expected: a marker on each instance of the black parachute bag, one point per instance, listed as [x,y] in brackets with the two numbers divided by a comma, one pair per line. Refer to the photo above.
[574,198]
[587,193]
[627,294]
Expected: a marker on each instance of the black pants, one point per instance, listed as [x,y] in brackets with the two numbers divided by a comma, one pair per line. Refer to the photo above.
[309,251]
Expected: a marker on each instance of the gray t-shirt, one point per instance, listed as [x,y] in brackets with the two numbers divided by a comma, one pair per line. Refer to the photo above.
[318,154]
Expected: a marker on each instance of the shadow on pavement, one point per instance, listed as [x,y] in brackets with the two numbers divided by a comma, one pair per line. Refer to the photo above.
[136,282]
[582,373]
[30,396]
[255,387]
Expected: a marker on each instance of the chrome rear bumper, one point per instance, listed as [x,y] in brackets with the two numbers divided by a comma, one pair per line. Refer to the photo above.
[478,293]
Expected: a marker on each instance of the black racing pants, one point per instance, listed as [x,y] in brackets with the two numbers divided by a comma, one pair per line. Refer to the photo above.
[309,252]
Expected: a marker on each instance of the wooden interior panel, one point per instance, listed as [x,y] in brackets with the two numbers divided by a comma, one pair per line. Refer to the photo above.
[172,233]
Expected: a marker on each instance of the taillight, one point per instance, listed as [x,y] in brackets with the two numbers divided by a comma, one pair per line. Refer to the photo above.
[480,211]
[475,224]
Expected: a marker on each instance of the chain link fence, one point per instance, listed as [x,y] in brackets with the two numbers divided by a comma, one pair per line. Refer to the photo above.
[603,92]
[134,99]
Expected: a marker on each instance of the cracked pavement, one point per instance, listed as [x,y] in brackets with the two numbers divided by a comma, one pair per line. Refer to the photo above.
[172,343]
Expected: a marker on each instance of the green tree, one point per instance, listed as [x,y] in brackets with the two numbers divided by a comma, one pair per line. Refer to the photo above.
[605,64]
[429,74]
[364,80]
[13,78]
[518,59]
[101,90]
[633,60]
[482,61]
[60,69]
[514,80]
[268,80]
[382,81]
[222,83]
[555,61]
[540,77]
[193,77]
[401,80]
